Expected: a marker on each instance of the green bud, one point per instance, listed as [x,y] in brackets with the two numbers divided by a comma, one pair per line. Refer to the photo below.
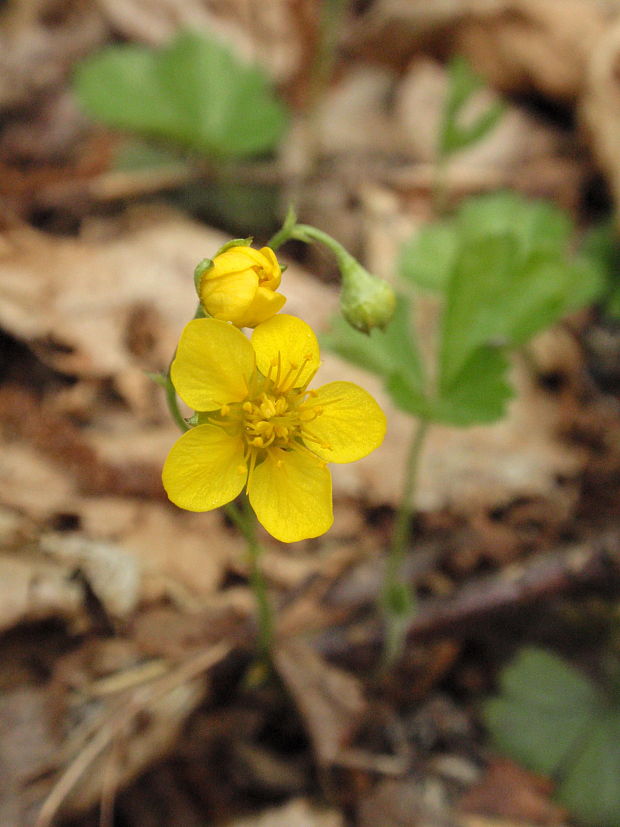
[366,301]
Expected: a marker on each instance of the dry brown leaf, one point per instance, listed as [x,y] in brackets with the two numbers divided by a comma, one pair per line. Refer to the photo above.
[509,791]
[181,551]
[600,106]
[32,484]
[411,801]
[112,573]
[32,589]
[268,33]
[355,114]
[300,812]
[36,54]
[524,45]
[518,45]
[29,743]
[329,700]
[78,300]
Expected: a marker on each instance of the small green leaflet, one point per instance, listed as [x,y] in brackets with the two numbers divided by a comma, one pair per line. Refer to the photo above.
[554,720]
[193,92]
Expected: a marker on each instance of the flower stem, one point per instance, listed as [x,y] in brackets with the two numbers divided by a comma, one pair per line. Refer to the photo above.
[290,229]
[285,233]
[245,521]
[173,404]
[308,233]
[397,600]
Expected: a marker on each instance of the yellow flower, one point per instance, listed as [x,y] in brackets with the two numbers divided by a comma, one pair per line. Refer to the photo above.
[260,427]
[240,286]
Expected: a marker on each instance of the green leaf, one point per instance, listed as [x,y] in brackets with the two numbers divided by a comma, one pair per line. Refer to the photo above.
[135,154]
[556,721]
[590,786]
[194,92]
[455,133]
[612,305]
[427,259]
[538,225]
[477,394]
[504,288]
[473,315]
[544,710]
[407,396]
[537,228]
[585,283]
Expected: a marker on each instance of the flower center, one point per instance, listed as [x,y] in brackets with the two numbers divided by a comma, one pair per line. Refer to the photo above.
[271,420]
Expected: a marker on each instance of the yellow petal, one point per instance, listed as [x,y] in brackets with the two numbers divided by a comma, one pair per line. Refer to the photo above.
[236,259]
[286,349]
[204,469]
[228,296]
[291,493]
[213,364]
[351,423]
[266,304]
[272,273]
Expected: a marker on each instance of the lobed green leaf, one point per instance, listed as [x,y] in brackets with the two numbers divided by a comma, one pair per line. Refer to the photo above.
[194,92]
[556,721]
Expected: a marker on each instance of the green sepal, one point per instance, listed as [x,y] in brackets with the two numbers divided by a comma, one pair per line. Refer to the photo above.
[235,242]
[199,271]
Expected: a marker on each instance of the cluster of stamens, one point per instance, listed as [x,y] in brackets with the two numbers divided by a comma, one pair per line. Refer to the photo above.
[268,420]
[275,415]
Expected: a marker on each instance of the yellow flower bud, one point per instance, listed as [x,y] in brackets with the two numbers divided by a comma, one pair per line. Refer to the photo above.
[240,284]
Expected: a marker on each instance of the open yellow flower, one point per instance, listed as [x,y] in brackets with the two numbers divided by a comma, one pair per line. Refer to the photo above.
[260,427]
[240,286]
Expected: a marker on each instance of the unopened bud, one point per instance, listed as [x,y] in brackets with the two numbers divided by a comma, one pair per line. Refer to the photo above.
[366,301]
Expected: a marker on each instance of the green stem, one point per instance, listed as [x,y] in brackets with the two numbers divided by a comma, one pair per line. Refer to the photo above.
[306,232]
[285,232]
[397,600]
[244,520]
[173,404]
